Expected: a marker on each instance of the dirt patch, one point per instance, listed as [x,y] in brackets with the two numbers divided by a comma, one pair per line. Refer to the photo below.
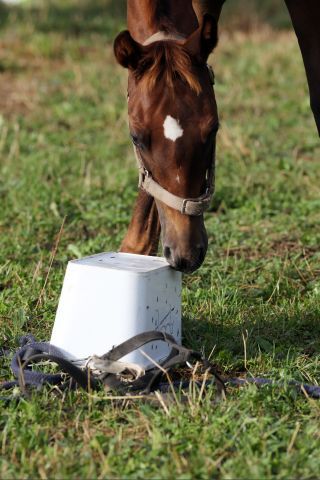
[19,96]
[24,74]
[276,248]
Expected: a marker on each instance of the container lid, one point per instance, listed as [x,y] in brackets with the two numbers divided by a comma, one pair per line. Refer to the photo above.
[124,261]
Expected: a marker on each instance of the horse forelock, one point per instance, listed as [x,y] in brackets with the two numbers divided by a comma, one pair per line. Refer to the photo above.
[166,61]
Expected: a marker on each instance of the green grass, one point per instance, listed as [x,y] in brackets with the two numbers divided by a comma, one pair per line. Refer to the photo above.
[65,153]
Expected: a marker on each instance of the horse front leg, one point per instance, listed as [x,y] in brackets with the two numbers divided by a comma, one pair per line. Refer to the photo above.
[143,234]
[305,16]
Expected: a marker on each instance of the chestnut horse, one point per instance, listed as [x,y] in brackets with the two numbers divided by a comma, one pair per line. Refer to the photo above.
[173,117]
[173,123]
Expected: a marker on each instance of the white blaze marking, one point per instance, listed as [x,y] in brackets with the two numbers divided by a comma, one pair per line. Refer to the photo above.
[172,128]
[178,179]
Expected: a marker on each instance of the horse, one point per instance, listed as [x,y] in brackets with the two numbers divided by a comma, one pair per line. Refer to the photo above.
[173,123]
[305,16]
[173,117]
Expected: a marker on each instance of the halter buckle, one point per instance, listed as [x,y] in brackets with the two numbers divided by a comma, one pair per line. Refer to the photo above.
[143,173]
[184,206]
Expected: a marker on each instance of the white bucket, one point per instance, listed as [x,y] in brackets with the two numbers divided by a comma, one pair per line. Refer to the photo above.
[110,297]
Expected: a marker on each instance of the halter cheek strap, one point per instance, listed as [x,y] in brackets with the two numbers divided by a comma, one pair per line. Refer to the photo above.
[187,206]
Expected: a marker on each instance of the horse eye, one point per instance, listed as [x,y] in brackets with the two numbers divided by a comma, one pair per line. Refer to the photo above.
[135,140]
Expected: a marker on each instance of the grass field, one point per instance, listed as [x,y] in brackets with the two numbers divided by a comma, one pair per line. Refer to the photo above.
[66,161]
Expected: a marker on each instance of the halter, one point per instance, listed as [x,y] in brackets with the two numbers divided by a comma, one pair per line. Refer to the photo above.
[187,206]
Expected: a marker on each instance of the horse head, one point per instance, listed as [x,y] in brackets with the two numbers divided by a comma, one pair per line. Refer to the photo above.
[173,122]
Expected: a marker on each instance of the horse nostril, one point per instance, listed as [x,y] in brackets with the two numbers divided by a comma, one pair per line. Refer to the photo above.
[167,252]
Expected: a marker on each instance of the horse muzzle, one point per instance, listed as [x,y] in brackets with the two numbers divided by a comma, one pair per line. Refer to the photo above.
[185,262]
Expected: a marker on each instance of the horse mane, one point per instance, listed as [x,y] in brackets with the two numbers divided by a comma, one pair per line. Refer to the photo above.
[169,61]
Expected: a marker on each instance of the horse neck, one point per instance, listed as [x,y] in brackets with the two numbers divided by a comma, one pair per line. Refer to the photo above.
[146,17]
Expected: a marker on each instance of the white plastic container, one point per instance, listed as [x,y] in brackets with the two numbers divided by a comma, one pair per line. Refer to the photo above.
[110,297]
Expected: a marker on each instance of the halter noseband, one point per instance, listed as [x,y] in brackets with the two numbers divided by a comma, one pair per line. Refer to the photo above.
[187,206]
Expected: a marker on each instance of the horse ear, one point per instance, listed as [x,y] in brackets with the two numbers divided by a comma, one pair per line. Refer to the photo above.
[126,50]
[204,39]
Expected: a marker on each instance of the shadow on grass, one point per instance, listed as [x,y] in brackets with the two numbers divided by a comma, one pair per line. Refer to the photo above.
[298,334]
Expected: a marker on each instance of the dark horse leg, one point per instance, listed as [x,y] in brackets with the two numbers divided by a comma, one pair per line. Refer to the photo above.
[305,15]
[144,231]
[213,7]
